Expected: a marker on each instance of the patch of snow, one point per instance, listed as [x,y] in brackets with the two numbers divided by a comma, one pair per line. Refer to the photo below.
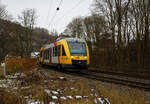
[61,78]
[85,96]
[9,81]
[78,97]
[26,97]
[91,94]
[37,102]
[73,89]
[3,80]
[101,100]
[4,85]
[17,74]
[51,102]
[54,97]
[22,75]
[95,100]
[34,54]
[47,91]
[27,87]
[95,95]
[63,97]
[92,89]
[55,92]
[14,76]
[58,89]
[45,81]
[70,97]
[15,88]
[34,102]
[107,100]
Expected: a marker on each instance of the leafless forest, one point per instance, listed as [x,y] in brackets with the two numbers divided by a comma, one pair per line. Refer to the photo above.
[117,32]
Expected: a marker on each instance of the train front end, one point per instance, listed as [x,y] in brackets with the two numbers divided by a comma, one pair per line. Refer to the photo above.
[78,53]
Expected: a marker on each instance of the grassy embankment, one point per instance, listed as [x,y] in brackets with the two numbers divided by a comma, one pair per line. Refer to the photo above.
[67,87]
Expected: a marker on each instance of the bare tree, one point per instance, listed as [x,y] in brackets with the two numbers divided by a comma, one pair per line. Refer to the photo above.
[28,20]
[75,27]
[3,11]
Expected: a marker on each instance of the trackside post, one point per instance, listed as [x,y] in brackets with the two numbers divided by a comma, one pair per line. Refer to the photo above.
[3,65]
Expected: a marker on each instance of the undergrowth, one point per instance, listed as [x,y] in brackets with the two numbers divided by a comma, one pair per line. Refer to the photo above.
[15,64]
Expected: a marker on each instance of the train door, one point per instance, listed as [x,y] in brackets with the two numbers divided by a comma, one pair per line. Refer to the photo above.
[63,56]
[59,53]
[55,55]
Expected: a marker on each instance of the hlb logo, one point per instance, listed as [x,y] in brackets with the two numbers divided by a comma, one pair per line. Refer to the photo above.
[77,57]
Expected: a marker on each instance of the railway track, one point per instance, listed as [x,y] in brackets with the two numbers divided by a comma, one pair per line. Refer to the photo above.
[141,75]
[121,79]
[118,79]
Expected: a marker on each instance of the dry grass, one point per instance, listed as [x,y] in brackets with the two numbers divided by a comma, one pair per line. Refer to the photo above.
[10,98]
[123,97]
[39,93]
[67,87]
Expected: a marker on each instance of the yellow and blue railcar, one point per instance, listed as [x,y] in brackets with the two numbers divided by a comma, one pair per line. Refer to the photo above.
[66,53]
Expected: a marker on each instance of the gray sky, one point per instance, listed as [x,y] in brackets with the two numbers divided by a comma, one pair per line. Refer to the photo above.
[69,9]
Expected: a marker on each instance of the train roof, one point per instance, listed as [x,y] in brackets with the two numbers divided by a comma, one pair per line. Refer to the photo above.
[67,38]
[46,46]
[74,40]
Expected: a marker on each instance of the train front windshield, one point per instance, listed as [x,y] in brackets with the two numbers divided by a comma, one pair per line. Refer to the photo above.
[77,48]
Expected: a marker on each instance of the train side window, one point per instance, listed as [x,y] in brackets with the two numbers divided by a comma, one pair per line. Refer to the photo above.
[44,54]
[47,54]
[63,51]
[50,52]
[58,50]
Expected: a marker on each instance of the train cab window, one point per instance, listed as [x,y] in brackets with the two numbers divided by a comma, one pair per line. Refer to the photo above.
[58,50]
[63,51]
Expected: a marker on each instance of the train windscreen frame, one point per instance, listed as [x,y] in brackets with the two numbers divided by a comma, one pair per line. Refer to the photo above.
[77,48]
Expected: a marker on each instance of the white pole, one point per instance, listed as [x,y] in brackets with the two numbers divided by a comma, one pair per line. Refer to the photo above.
[3,69]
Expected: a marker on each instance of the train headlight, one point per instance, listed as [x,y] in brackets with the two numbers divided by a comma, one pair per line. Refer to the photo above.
[85,57]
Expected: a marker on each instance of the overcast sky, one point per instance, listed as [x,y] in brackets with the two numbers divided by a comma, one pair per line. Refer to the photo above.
[69,9]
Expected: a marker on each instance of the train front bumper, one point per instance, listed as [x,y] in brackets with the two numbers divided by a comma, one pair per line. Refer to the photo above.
[76,65]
